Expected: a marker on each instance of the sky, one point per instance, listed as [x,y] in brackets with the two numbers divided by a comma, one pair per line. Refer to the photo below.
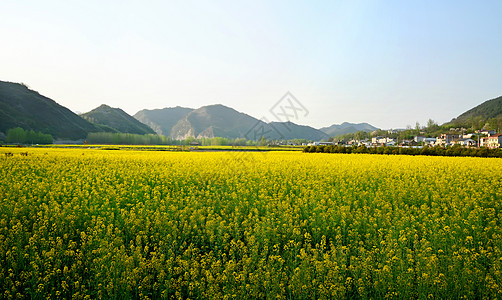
[387,63]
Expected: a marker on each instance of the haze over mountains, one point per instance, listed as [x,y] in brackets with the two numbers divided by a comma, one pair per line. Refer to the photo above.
[25,108]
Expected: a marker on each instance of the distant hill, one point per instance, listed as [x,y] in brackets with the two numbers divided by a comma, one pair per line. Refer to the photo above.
[345,127]
[222,121]
[162,120]
[213,121]
[116,119]
[289,131]
[483,112]
[22,107]
[25,108]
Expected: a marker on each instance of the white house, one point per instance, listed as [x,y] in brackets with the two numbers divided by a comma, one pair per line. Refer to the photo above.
[466,142]
[446,139]
[426,140]
[375,140]
[430,141]
[483,141]
[494,141]
[487,132]
[390,143]
[381,140]
[419,138]
[321,144]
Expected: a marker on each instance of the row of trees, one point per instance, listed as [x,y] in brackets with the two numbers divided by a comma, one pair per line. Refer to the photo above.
[432,151]
[20,136]
[221,141]
[110,138]
[153,139]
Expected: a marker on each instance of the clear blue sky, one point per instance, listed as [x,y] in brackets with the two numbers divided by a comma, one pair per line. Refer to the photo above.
[389,63]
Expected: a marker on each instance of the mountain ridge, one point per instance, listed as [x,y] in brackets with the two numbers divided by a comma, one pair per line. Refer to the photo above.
[28,109]
[213,120]
[22,107]
[162,120]
[116,119]
[346,127]
[480,114]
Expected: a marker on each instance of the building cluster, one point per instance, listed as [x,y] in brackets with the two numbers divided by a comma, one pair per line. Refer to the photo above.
[483,138]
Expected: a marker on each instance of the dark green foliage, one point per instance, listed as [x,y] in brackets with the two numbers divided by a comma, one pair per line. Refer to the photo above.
[16,135]
[116,119]
[431,151]
[20,136]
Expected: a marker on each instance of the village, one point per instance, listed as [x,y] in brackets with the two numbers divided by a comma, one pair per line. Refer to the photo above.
[480,138]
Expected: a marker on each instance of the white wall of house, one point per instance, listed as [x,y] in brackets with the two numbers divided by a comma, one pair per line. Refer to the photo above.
[419,138]
[494,141]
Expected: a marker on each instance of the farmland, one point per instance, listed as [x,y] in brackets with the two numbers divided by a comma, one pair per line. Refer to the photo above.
[85,223]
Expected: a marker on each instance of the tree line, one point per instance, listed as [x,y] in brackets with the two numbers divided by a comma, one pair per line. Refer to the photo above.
[430,151]
[20,136]
[110,138]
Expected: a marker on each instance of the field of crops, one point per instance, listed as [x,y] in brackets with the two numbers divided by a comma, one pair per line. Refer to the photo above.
[83,223]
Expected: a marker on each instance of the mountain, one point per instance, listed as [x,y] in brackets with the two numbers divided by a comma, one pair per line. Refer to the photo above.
[345,127]
[25,108]
[486,110]
[289,131]
[22,107]
[162,120]
[117,119]
[222,121]
[213,121]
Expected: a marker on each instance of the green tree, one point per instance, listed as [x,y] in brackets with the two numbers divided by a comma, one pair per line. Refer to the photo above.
[263,141]
[361,135]
[417,128]
[16,135]
[31,137]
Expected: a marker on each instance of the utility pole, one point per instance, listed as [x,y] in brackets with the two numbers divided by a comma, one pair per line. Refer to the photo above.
[479,134]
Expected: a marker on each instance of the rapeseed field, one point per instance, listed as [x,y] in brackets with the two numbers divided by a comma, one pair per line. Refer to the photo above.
[87,224]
